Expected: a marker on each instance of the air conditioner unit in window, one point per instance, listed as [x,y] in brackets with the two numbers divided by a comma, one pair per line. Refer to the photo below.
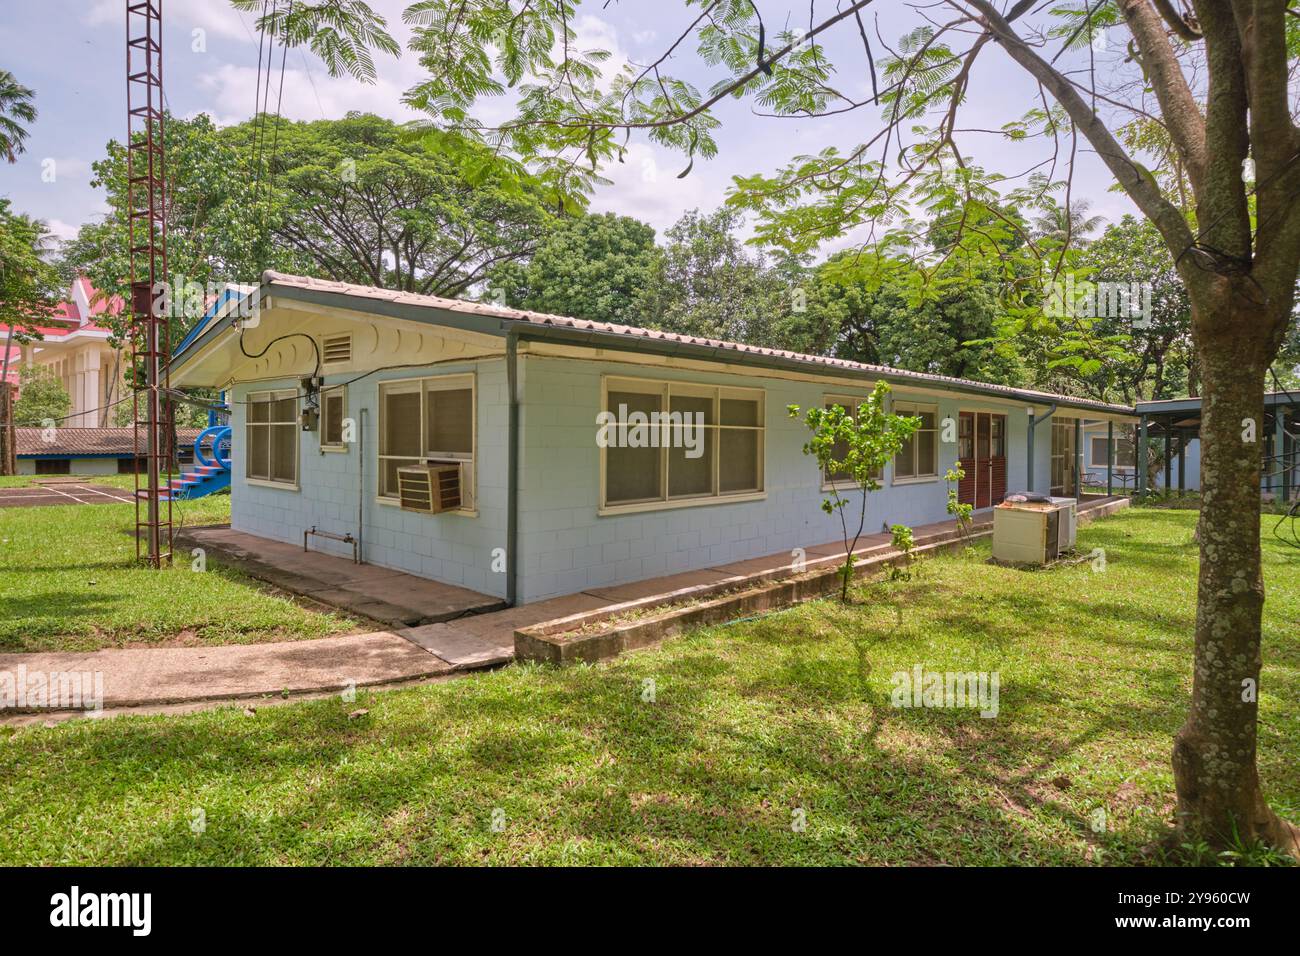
[1033,529]
[431,488]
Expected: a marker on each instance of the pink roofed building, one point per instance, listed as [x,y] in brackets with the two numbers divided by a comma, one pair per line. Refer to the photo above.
[76,347]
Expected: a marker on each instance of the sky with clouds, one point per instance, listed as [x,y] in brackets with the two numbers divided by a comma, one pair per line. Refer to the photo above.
[71,52]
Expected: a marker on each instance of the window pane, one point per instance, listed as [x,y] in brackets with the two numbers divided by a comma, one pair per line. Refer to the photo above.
[927,418]
[631,474]
[400,423]
[450,421]
[332,431]
[904,466]
[689,476]
[926,453]
[284,452]
[284,410]
[623,405]
[742,411]
[692,405]
[259,452]
[259,410]
[740,454]
[840,449]
[1125,456]
[388,474]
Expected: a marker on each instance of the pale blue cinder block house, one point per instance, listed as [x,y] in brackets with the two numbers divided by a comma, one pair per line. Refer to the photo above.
[345,397]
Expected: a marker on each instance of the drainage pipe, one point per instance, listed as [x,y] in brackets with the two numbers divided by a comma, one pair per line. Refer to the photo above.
[512,467]
[361,484]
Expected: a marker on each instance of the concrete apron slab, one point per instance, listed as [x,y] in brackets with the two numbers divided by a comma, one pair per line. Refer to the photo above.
[388,596]
[607,632]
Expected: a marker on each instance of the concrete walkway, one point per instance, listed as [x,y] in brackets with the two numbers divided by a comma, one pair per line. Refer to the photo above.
[150,677]
[390,597]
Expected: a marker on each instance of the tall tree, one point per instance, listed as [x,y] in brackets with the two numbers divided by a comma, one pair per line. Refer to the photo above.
[42,398]
[600,267]
[1216,76]
[711,286]
[1067,224]
[16,109]
[1156,355]
[27,296]
[363,200]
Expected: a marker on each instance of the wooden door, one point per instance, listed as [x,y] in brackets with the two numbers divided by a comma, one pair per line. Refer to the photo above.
[982,454]
[997,458]
[966,457]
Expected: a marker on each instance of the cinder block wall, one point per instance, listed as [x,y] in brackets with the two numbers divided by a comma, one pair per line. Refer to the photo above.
[566,546]
[453,548]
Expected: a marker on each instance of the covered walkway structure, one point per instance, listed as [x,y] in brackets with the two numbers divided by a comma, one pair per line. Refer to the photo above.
[1178,421]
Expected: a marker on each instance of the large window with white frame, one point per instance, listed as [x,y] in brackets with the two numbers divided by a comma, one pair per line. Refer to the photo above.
[425,419]
[679,443]
[842,478]
[919,457]
[271,437]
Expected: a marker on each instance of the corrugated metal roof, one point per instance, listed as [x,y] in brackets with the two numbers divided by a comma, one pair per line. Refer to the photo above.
[77,442]
[722,351]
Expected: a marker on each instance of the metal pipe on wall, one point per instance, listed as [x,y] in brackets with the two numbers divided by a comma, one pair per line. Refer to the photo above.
[512,466]
[361,484]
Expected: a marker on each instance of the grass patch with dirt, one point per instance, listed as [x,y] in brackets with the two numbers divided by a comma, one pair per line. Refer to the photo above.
[711,748]
[69,581]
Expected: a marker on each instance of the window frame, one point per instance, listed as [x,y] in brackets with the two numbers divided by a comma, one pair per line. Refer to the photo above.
[851,404]
[271,396]
[326,391]
[664,388]
[908,408]
[1119,438]
[422,385]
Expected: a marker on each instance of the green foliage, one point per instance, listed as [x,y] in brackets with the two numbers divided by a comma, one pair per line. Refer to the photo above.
[214,232]
[597,267]
[711,287]
[16,109]
[363,200]
[41,398]
[341,32]
[960,511]
[28,284]
[857,447]
[902,540]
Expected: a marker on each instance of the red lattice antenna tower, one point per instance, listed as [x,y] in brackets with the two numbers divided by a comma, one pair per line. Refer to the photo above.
[147,238]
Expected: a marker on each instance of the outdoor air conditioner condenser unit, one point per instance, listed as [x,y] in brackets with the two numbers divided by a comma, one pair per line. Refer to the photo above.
[1033,529]
[430,488]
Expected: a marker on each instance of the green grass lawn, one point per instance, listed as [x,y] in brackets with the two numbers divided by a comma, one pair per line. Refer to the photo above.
[752,723]
[69,581]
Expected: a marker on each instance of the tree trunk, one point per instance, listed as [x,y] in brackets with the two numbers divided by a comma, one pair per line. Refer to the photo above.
[1219,794]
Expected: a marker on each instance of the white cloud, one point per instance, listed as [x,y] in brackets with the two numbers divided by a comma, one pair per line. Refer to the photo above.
[646,187]
[230,91]
[219,19]
[61,229]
